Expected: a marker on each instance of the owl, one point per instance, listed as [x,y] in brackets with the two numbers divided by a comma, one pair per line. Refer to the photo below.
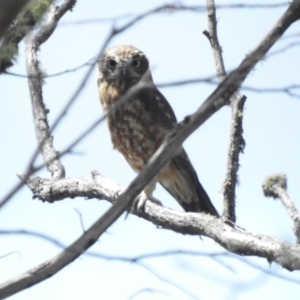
[139,125]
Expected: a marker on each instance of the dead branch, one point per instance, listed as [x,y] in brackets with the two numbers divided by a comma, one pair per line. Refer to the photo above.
[35,81]
[236,142]
[275,186]
[234,240]
[236,146]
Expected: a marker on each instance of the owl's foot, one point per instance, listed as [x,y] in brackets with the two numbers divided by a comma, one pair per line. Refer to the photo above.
[140,201]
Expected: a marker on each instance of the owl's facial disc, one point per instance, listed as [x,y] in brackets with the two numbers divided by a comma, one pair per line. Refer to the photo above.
[123,70]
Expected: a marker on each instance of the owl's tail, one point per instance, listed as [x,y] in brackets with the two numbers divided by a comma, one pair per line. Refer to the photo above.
[181,181]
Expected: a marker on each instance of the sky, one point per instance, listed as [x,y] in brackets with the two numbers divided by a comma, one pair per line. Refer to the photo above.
[177,50]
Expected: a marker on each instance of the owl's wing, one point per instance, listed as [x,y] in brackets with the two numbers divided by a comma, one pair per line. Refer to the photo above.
[179,179]
[158,107]
[183,184]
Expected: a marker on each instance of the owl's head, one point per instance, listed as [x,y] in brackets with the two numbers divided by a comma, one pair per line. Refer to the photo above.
[122,65]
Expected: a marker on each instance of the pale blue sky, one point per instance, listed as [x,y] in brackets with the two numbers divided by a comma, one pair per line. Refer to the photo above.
[177,50]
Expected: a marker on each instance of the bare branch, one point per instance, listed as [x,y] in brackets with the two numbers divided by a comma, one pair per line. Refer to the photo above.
[239,242]
[44,138]
[88,63]
[236,143]
[212,36]
[211,80]
[236,146]
[179,7]
[275,186]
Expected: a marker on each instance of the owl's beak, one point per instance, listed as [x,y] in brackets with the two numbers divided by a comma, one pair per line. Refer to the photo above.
[123,71]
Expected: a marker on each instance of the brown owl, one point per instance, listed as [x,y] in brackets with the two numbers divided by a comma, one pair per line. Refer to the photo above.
[139,126]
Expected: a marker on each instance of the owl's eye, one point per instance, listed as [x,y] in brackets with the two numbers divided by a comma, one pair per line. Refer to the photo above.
[136,63]
[111,63]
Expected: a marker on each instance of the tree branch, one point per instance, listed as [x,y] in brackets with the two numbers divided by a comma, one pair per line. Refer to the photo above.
[238,242]
[236,146]
[35,81]
[275,186]
[236,143]
[212,36]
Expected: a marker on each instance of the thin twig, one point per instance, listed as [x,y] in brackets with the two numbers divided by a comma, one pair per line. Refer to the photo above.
[283,49]
[168,281]
[216,256]
[88,63]
[146,290]
[10,253]
[80,218]
[210,80]
[212,36]
[178,7]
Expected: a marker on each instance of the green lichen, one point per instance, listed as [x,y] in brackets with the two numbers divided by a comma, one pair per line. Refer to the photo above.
[272,182]
[38,8]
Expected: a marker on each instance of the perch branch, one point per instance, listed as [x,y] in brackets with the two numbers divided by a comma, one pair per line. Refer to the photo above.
[239,242]
[234,240]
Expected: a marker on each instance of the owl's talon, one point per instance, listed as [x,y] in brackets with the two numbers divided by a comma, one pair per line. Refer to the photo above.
[119,192]
[140,201]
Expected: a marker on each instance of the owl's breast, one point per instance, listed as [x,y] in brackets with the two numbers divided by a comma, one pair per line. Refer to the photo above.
[135,133]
